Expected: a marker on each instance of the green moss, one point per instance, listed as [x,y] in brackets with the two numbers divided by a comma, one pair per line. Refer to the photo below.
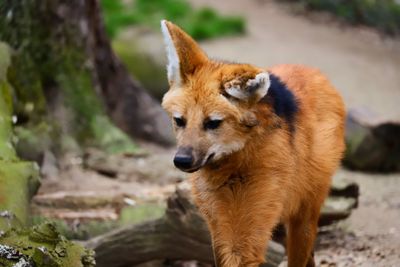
[5,60]
[17,179]
[43,246]
[201,24]
[110,138]
[25,79]
[31,141]
[6,149]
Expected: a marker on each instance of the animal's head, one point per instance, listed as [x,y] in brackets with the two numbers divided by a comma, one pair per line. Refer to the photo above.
[212,104]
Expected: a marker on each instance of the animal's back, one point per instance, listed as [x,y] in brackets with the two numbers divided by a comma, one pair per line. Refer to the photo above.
[318,137]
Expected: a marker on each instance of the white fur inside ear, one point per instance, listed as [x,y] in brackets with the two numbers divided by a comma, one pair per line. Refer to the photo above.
[173,70]
[262,82]
[237,92]
[258,86]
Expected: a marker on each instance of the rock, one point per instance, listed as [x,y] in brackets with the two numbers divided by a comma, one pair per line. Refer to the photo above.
[373,143]
[336,208]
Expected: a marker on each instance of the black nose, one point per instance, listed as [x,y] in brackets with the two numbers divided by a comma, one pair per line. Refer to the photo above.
[184,158]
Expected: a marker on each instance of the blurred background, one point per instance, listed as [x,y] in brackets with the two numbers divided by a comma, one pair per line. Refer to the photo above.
[86,150]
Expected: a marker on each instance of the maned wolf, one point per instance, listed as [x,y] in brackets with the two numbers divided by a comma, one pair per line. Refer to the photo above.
[262,145]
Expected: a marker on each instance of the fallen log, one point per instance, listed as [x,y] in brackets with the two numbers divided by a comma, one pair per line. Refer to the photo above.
[181,234]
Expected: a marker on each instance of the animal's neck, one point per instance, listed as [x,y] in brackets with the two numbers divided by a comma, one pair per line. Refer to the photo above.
[236,164]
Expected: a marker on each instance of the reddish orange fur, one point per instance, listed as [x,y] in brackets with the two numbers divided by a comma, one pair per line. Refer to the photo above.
[278,175]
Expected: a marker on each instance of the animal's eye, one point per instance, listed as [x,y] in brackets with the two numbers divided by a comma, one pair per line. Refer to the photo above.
[180,122]
[212,124]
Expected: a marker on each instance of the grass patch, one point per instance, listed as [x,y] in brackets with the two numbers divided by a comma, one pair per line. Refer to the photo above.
[203,23]
[382,14]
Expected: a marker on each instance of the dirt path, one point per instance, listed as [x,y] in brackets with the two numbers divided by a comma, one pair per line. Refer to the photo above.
[363,66]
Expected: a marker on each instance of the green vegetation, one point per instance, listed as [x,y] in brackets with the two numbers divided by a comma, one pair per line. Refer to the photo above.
[382,14]
[201,24]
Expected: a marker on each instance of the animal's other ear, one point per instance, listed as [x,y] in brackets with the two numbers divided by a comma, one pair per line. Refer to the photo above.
[251,90]
[184,55]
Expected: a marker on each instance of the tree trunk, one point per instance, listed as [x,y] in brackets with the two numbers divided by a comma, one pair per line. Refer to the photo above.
[65,73]
[130,106]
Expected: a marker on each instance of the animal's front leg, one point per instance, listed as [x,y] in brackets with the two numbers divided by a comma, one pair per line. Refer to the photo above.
[241,226]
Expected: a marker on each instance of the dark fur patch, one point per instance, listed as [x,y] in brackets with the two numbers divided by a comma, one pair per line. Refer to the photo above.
[282,100]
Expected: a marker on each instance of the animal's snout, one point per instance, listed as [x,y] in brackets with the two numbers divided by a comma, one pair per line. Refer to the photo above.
[184,158]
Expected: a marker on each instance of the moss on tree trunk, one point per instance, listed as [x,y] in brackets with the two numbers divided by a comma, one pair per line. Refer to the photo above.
[18,179]
[52,76]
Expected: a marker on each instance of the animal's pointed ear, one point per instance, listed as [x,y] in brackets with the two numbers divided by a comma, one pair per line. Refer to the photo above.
[184,55]
[251,90]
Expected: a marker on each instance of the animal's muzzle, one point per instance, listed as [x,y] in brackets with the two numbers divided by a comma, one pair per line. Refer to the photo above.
[184,159]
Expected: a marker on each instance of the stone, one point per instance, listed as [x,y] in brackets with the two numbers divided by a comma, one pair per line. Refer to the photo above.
[373,142]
